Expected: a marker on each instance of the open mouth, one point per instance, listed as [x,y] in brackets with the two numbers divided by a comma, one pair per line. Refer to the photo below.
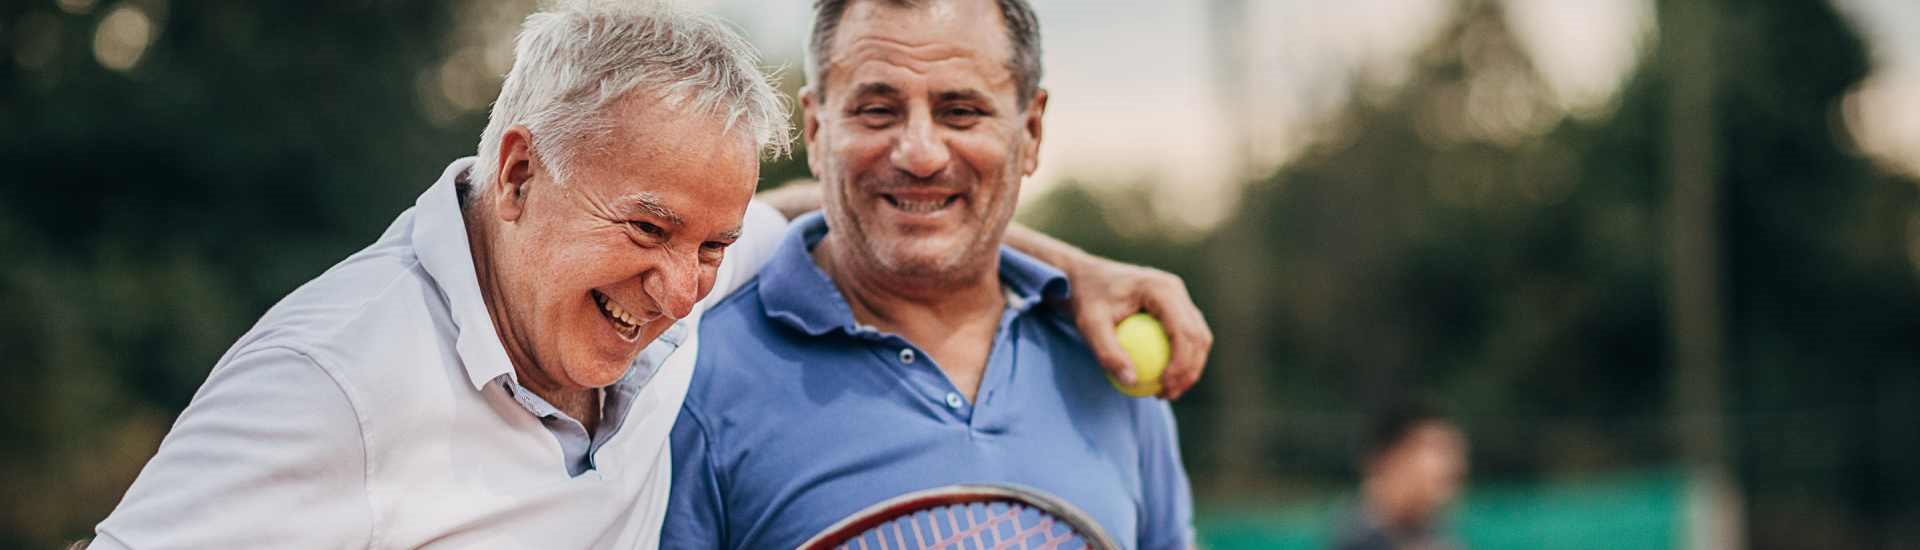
[623,322]
[922,203]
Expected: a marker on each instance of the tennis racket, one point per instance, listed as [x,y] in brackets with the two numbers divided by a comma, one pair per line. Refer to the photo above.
[966,517]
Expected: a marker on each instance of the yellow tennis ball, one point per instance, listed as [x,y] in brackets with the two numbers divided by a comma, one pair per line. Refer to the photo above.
[1145,342]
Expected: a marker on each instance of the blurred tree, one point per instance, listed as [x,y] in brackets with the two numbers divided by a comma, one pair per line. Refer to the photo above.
[1460,235]
[177,167]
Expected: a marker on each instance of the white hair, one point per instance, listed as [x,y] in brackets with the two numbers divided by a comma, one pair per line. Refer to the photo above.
[571,62]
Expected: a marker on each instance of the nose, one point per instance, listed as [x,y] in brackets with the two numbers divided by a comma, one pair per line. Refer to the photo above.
[919,150]
[674,285]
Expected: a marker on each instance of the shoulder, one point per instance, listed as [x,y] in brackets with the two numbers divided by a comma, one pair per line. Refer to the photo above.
[268,435]
[271,376]
[1072,363]
[737,309]
[737,333]
[376,303]
[732,336]
[745,357]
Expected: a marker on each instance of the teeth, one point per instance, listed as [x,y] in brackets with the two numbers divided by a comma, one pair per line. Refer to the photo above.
[920,207]
[616,312]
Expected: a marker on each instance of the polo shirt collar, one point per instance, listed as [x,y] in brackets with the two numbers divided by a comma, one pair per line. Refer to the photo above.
[440,241]
[795,292]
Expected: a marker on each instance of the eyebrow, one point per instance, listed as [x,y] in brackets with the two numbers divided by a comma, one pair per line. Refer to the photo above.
[961,95]
[887,90]
[650,203]
[876,88]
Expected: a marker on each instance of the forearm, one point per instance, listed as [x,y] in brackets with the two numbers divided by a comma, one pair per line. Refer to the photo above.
[792,199]
[1048,250]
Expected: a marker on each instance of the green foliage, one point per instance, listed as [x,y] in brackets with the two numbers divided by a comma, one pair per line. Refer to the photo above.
[152,214]
[1525,281]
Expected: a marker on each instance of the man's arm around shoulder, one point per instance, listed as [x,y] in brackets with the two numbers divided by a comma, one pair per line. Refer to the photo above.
[268,455]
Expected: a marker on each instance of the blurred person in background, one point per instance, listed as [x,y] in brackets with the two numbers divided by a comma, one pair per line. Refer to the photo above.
[462,380]
[1413,461]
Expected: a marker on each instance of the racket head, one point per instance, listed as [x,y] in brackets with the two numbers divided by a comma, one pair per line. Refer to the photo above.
[966,517]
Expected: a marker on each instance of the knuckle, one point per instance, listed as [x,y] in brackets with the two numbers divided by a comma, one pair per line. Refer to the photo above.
[1169,279]
[1199,335]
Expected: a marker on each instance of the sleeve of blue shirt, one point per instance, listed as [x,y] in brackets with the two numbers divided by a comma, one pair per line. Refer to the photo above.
[1167,500]
[696,518]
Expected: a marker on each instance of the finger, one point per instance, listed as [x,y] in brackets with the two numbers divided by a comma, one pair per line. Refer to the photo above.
[1105,344]
[1190,338]
[1190,349]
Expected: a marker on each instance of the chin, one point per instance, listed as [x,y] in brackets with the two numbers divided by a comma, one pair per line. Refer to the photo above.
[599,375]
[595,368]
[944,266]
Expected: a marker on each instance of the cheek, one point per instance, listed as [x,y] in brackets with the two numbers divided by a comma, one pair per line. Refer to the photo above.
[707,276]
[857,149]
[992,160]
[595,259]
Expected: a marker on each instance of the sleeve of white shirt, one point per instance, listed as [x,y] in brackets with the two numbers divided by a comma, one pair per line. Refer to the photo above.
[268,455]
[761,231]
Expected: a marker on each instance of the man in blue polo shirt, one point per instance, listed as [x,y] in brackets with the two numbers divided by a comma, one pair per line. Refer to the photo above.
[893,344]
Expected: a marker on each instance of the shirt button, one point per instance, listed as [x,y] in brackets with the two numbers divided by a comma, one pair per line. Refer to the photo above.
[953,400]
[906,355]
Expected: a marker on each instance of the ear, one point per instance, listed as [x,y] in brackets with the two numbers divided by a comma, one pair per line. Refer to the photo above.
[810,126]
[1036,128]
[513,174]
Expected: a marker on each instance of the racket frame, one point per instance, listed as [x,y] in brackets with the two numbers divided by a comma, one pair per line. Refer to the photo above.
[905,505]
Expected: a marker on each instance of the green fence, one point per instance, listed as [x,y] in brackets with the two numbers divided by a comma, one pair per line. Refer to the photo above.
[1632,511]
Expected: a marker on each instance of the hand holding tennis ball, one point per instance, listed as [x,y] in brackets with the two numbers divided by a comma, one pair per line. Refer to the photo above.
[1146,345]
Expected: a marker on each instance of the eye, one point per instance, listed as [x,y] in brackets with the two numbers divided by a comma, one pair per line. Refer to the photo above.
[876,115]
[961,116]
[713,251]
[650,229]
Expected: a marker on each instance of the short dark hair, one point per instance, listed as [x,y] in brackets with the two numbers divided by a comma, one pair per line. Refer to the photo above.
[1391,425]
[1023,32]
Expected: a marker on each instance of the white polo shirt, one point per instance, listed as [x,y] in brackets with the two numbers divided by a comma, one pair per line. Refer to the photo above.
[371,408]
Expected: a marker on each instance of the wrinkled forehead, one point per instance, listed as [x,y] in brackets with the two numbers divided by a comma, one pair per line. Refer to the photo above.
[944,43]
[661,149]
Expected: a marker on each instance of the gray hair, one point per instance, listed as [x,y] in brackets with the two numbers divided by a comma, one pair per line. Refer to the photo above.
[1023,32]
[572,61]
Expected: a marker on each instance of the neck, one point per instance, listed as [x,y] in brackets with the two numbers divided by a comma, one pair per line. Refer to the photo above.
[952,320]
[580,403]
[892,301]
[1389,507]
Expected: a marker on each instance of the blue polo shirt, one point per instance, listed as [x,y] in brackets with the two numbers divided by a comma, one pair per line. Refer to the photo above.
[798,416]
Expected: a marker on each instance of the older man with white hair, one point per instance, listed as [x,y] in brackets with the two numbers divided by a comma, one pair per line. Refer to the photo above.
[503,366]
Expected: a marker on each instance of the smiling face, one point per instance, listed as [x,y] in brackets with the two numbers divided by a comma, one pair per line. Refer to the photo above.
[918,136]
[585,273]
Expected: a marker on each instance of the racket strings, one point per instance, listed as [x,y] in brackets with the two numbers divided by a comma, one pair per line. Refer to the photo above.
[1005,526]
